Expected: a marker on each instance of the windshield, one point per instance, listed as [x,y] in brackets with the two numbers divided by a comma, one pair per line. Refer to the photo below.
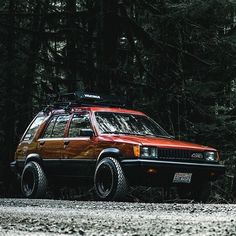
[123,123]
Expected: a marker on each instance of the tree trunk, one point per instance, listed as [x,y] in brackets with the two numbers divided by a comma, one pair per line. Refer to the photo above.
[107,41]
[71,45]
[7,142]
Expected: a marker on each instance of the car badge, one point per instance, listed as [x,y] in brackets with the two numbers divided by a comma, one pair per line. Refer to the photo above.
[197,155]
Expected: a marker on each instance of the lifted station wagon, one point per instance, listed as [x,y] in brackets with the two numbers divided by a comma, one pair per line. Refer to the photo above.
[89,139]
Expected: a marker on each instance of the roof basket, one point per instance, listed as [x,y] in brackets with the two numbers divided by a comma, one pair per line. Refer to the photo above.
[88,99]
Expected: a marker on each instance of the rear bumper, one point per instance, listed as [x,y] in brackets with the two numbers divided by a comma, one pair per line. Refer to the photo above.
[155,172]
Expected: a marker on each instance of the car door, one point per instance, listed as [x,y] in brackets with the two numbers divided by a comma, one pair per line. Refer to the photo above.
[51,144]
[78,154]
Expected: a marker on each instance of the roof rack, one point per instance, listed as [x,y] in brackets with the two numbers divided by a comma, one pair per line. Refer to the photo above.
[69,100]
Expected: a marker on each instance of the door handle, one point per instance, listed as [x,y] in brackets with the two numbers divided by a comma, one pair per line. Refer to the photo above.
[41,142]
[66,142]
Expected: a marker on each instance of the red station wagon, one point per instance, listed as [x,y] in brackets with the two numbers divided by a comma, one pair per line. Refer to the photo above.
[86,140]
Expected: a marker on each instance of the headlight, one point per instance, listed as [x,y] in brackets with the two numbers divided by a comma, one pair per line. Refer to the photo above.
[211,156]
[148,152]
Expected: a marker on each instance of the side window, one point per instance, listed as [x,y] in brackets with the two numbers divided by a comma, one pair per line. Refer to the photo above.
[59,127]
[48,131]
[56,127]
[33,128]
[78,122]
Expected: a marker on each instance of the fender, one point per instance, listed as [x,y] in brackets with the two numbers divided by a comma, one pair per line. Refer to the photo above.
[109,152]
[33,157]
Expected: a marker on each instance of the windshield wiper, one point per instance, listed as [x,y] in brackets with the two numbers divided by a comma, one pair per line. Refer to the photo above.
[164,136]
[116,132]
[138,134]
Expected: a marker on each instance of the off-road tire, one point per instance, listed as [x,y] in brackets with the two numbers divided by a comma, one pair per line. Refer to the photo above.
[33,181]
[109,180]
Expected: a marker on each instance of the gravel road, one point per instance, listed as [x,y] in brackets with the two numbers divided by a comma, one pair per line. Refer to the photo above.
[54,217]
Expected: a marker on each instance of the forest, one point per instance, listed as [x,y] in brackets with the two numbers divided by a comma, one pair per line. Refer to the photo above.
[173,59]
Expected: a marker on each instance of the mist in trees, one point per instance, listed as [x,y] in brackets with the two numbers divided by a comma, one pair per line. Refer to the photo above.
[173,59]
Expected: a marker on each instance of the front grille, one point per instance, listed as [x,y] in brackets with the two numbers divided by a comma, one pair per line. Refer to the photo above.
[179,154]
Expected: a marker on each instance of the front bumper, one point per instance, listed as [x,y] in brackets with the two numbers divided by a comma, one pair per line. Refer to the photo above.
[161,173]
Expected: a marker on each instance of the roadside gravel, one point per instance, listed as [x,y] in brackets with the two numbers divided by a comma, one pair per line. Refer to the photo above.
[54,217]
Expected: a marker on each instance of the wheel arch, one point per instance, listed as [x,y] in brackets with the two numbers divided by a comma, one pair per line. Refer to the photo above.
[33,157]
[109,152]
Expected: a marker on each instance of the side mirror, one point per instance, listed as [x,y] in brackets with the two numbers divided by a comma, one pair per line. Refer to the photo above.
[86,132]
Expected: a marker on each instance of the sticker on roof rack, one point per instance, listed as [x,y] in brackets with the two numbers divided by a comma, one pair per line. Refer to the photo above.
[92,96]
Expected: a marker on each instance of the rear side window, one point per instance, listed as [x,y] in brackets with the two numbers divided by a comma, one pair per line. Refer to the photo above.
[48,131]
[33,128]
[56,127]
[59,127]
[78,122]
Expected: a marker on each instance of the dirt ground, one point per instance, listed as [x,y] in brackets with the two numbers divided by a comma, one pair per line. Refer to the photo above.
[54,217]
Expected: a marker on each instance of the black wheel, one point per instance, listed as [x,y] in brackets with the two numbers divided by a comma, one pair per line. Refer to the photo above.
[33,181]
[196,192]
[109,180]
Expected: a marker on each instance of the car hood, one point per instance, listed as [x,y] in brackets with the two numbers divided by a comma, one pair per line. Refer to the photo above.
[158,142]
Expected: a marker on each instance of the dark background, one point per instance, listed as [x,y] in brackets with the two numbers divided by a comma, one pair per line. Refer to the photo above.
[174,60]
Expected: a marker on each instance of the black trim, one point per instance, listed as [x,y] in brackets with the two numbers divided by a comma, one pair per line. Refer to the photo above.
[109,152]
[79,160]
[69,160]
[33,157]
[137,171]
[70,167]
[172,164]
[77,167]
[161,173]
[61,167]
